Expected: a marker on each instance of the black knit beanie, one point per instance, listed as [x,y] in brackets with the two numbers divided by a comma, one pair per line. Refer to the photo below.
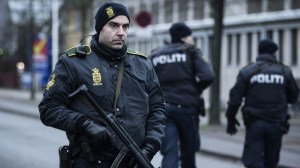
[107,12]
[178,31]
[267,46]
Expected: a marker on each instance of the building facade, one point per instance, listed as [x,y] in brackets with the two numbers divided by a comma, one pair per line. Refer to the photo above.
[245,23]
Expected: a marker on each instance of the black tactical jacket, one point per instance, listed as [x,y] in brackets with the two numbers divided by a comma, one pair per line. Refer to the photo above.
[140,108]
[182,72]
[267,87]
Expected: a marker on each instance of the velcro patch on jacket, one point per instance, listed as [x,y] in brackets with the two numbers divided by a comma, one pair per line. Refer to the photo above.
[133,52]
[73,51]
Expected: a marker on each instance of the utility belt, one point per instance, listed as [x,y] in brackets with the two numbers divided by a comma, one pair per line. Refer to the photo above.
[65,160]
[176,104]
[200,107]
[66,154]
[249,119]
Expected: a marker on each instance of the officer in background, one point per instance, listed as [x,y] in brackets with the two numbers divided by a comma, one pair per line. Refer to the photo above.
[139,108]
[183,75]
[267,87]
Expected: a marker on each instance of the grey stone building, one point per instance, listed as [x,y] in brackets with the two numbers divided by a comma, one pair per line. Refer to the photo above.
[245,23]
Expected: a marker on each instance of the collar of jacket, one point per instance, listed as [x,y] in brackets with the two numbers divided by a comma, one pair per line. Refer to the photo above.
[109,54]
[266,57]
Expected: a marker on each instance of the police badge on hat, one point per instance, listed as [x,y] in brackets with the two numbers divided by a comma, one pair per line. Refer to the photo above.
[110,12]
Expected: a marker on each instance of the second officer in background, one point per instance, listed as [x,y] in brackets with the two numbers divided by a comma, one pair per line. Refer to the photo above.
[183,75]
[266,87]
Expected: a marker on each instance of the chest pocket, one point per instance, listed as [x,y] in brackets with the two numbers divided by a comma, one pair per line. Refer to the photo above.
[135,81]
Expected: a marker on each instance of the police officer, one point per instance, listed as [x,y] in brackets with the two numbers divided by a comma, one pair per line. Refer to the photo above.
[140,107]
[183,75]
[267,87]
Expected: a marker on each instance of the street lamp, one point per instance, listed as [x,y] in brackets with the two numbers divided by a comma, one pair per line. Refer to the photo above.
[20,67]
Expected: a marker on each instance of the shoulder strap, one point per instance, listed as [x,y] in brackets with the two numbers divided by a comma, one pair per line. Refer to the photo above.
[260,68]
[118,88]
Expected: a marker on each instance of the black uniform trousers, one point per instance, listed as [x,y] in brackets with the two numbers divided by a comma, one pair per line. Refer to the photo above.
[262,144]
[180,128]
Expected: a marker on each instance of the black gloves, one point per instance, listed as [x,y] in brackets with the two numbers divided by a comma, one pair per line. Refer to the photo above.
[231,120]
[202,107]
[96,133]
[285,126]
[231,125]
[149,149]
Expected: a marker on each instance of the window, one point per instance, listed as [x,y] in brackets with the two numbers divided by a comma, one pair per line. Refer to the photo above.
[275,5]
[295,4]
[168,11]
[254,6]
[259,37]
[183,8]
[270,34]
[198,9]
[155,12]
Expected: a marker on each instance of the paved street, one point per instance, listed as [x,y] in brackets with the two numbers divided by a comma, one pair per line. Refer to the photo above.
[219,148]
[26,143]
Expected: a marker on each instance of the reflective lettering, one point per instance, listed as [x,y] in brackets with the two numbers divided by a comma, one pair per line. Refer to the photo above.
[166,59]
[267,78]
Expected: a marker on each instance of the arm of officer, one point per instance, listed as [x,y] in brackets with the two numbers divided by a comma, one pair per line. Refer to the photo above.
[53,108]
[235,99]
[204,70]
[292,87]
[156,118]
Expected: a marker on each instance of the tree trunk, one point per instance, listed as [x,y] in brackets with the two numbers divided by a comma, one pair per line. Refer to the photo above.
[214,115]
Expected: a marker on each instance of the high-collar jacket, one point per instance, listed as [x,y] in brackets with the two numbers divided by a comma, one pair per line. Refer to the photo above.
[140,107]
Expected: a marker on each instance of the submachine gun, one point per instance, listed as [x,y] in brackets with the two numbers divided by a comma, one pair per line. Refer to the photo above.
[122,139]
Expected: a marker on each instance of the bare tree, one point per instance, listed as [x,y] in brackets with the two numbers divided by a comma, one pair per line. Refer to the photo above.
[33,16]
[85,9]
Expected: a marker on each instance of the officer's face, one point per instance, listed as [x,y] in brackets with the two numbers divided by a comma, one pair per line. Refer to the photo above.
[114,33]
[188,40]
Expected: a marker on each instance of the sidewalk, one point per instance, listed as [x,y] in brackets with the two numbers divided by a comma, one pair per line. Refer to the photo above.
[214,140]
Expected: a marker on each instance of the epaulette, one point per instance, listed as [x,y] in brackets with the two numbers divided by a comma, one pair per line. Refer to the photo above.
[73,51]
[249,63]
[282,64]
[130,51]
[187,47]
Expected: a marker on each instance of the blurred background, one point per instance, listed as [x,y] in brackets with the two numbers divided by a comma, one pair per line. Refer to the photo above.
[35,32]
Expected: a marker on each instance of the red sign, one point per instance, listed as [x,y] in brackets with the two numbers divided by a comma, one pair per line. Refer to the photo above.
[143,19]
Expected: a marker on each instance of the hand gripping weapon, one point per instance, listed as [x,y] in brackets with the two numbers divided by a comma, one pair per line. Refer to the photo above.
[123,141]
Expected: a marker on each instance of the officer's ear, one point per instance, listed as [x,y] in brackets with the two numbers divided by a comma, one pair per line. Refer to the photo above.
[188,40]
